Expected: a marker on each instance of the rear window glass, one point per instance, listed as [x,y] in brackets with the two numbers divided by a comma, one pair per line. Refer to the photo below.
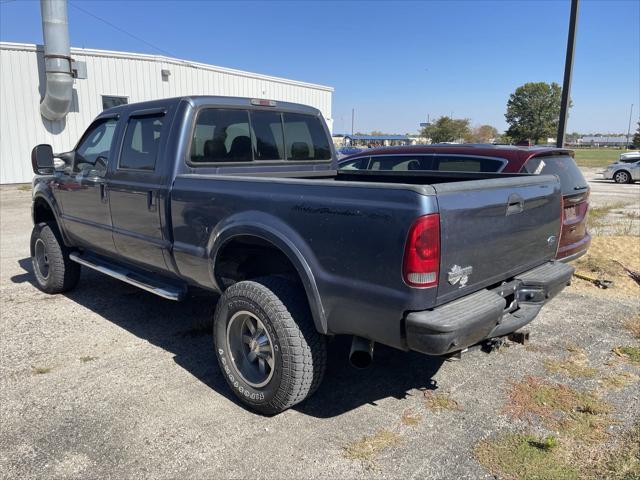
[466,164]
[269,139]
[359,164]
[305,138]
[401,163]
[221,135]
[227,135]
[571,178]
[141,140]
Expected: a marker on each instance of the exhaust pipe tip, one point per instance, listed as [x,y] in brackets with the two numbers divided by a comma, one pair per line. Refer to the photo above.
[361,354]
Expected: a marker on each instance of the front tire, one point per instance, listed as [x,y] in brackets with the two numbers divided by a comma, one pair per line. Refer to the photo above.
[622,177]
[266,343]
[55,272]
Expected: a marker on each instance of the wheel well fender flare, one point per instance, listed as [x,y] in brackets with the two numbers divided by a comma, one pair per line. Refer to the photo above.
[43,195]
[281,236]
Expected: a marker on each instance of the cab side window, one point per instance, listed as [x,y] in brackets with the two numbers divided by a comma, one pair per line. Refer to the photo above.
[141,142]
[221,135]
[93,150]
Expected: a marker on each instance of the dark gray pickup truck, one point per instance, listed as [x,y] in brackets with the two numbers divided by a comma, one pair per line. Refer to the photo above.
[240,196]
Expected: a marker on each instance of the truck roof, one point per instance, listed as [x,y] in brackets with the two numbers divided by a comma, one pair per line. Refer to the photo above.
[198,100]
[516,156]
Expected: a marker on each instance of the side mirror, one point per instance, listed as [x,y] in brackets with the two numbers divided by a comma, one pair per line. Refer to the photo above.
[42,159]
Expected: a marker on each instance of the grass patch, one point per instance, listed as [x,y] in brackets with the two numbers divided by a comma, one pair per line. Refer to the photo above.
[596,157]
[633,325]
[440,401]
[525,457]
[623,461]
[41,370]
[367,449]
[410,419]
[575,366]
[576,414]
[24,188]
[596,218]
[618,380]
[602,259]
[88,359]
[628,353]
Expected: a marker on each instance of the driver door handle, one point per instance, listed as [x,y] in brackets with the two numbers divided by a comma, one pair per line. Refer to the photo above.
[103,193]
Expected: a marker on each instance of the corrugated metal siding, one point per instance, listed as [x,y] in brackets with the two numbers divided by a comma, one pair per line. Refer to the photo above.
[135,76]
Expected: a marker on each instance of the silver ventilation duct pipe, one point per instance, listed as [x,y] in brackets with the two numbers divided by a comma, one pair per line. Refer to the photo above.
[57,57]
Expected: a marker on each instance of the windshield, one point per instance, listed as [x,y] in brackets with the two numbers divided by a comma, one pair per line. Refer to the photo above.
[571,179]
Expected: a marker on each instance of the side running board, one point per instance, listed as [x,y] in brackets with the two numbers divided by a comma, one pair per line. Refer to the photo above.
[140,280]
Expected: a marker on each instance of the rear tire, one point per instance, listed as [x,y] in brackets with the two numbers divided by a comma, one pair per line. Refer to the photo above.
[622,177]
[52,267]
[268,348]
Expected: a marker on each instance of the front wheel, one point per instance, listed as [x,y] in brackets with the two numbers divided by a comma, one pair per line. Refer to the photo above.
[55,272]
[622,177]
[267,346]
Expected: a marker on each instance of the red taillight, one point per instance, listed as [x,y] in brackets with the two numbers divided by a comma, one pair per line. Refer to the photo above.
[422,252]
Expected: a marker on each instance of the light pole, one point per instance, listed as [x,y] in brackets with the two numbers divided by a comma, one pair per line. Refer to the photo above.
[568,69]
[626,144]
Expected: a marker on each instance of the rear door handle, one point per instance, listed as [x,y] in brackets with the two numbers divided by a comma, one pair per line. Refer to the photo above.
[151,201]
[515,204]
[103,193]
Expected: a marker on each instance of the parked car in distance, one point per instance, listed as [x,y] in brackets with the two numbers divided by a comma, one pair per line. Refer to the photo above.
[625,170]
[346,151]
[574,239]
[239,196]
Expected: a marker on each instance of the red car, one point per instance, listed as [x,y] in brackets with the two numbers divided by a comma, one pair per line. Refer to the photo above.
[574,238]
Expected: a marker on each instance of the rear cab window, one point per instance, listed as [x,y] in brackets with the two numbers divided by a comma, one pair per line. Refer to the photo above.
[141,143]
[571,179]
[235,135]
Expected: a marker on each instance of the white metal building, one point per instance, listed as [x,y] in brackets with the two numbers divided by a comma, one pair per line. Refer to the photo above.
[110,78]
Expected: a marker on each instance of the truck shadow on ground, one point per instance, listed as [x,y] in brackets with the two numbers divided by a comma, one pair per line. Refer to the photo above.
[181,328]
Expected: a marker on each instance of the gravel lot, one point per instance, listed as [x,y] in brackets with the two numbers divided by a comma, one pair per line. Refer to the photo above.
[110,381]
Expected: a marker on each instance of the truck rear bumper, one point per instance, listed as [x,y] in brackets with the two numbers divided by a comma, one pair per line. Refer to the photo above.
[487,313]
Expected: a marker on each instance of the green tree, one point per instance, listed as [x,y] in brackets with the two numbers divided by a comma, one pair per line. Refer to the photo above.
[533,111]
[636,138]
[447,129]
[484,134]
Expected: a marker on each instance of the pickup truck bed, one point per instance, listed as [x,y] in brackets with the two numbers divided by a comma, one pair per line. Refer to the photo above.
[432,262]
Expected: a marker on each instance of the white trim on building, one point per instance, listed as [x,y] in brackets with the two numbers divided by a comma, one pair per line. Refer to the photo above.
[121,74]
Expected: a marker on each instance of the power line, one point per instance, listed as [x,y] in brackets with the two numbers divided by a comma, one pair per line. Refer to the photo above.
[122,30]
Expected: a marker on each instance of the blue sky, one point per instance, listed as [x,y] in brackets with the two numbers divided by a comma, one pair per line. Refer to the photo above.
[394,62]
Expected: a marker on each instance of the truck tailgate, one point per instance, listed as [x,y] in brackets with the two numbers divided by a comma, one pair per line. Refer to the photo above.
[492,230]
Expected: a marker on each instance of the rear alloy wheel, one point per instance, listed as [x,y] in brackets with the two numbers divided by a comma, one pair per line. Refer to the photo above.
[622,177]
[268,348]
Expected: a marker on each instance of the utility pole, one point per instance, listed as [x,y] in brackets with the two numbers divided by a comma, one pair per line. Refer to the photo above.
[626,145]
[353,114]
[568,70]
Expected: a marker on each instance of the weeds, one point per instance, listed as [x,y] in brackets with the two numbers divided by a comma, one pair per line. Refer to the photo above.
[525,457]
[628,353]
[577,414]
[367,449]
[24,188]
[618,380]
[88,359]
[410,419]
[633,325]
[440,401]
[574,366]
[41,370]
